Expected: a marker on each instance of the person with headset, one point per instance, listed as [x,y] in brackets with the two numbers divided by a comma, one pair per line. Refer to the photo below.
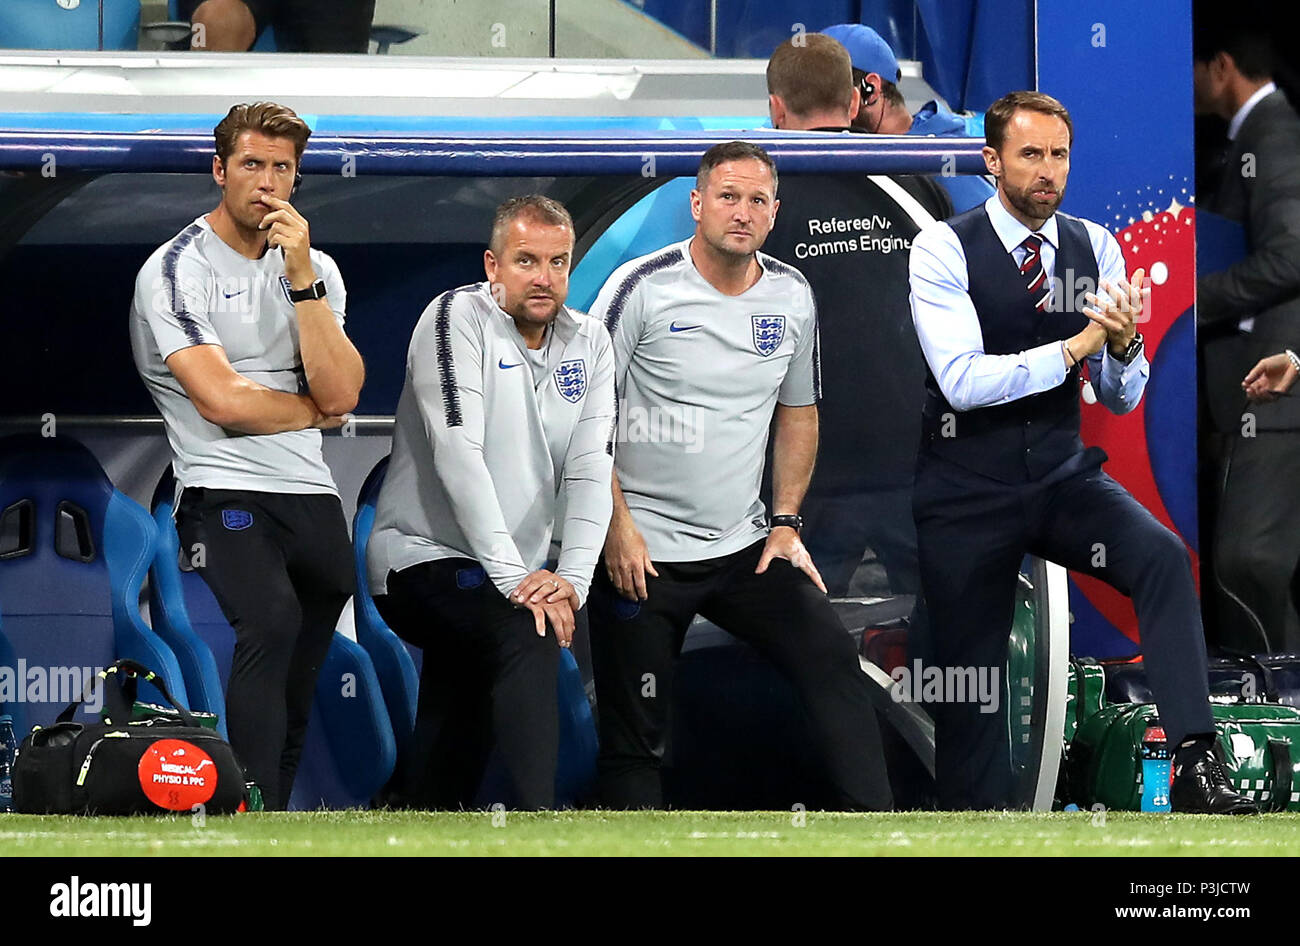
[237,332]
[882,110]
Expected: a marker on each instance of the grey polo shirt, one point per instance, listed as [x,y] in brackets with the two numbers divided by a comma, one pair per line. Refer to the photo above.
[699,374]
[197,290]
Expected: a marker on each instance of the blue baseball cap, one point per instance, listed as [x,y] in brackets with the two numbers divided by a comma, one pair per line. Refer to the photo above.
[868,51]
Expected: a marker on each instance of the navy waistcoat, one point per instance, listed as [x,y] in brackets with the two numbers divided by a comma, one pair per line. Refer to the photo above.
[1025,439]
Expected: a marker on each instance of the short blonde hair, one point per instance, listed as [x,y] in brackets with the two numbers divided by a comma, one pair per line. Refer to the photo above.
[538,206]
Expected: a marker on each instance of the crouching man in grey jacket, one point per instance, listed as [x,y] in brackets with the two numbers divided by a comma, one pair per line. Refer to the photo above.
[504,435]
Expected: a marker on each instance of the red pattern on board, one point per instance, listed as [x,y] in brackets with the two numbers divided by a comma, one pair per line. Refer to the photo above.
[1170,240]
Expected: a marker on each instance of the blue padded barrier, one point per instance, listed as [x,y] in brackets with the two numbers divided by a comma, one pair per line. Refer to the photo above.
[661,217]
[386,125]
[79,609]
[399,679]
[642,153]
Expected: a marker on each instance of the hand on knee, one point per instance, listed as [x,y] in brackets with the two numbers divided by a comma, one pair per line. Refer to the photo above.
[223,26]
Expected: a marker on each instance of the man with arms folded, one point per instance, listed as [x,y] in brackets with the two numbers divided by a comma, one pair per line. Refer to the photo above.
[504,426]
[237,331]
[713,333]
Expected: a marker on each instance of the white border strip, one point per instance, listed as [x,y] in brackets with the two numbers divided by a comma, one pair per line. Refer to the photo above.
[1053,581]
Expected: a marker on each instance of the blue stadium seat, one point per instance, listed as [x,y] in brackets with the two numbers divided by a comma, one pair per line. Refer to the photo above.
[45,24]
[399,677]
[575,775]
[73,556]
[349,752]
[349,713]
[170,616]
[576,771]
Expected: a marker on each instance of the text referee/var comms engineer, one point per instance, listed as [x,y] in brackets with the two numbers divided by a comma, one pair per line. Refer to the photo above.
[725,337]
[504,432]
[237,330]
[1002,471]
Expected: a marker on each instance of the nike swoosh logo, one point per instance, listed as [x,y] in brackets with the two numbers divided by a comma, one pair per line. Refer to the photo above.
[681,328]
[501,363]
[231,295]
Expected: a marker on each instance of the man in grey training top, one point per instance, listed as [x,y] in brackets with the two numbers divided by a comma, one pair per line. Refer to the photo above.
[237,331]
[505,424]
[720,338]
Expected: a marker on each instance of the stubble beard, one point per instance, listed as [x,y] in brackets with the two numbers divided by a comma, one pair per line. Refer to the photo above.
[521,313]
[1025,203]
[732,256]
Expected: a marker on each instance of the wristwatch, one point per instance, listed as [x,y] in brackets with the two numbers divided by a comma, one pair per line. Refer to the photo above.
[1131,352]
[315,291]
[793,522]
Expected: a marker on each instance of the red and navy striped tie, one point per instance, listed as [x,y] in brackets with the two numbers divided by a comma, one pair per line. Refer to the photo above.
[1032,269]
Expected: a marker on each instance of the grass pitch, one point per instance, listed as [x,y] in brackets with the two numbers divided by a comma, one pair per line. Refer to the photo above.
[680,833]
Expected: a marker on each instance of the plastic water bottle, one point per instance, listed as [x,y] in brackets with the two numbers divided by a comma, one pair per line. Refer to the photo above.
[7,747]
[1156,770]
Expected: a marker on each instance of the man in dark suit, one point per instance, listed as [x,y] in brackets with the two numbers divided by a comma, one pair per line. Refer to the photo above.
[1002,471]
[1246,312]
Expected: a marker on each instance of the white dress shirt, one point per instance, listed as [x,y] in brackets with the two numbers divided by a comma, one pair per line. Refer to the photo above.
[1234,126]
[953,343]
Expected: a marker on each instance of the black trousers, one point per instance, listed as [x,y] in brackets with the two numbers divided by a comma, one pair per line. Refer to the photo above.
[486,675]
[309,26]
[782,614]
[840,529]
[973,534]
[1257,544]
[280,567]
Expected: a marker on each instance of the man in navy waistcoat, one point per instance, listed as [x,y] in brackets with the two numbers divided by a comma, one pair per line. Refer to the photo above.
[1012,302]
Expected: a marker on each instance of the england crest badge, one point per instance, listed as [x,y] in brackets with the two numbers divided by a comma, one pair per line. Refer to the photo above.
[769,331]
[236,520]
[287,287]
[571,380]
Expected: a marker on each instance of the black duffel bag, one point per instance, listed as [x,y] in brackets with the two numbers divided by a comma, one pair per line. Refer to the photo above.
[123,766]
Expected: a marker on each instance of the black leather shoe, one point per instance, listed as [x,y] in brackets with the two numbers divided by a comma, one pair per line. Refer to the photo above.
[1203,788]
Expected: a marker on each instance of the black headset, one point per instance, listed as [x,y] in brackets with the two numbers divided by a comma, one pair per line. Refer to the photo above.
[868,91]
